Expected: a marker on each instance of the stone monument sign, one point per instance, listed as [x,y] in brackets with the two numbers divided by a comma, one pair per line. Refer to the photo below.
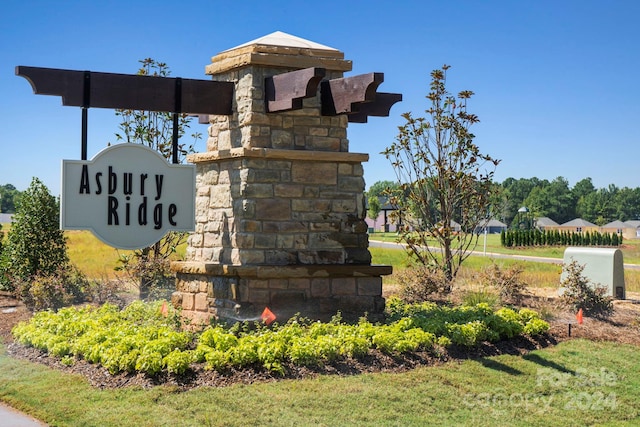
[280,202]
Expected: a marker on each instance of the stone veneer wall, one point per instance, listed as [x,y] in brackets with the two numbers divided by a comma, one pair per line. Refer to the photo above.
[280,211]
[252,127]
[279,206]
[239,292]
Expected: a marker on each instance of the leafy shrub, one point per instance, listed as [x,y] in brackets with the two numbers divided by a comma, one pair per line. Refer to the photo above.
[105,290]
[304,352]
[216,360]
[535,326]
[53,290]
[35,245]
[217,338]
[401,337]
[151,274]
[580,293]
[469,334]
[449,323]
[178,361]
[245,353]
[507,323]
[419,283]
[149,362]
[141,339]
[507,282]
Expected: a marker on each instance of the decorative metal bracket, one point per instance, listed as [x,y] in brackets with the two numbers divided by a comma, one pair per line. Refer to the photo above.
[286,91]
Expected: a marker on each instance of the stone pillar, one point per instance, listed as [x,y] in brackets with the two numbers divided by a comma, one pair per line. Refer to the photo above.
[279,200]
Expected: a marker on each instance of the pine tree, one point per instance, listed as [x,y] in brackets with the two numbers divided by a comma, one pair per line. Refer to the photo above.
[614,239]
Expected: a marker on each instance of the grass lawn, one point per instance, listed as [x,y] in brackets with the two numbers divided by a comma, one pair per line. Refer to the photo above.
[630,248]
[95,258]
[578,382]
[90,255]
[535,274]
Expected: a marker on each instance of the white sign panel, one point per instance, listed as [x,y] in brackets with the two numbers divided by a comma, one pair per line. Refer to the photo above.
[128,195]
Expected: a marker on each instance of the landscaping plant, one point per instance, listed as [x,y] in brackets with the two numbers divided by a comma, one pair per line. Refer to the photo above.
[580,293]
[443,178]
[35,244]
[419,283]
[145,338]
[506,281]
[33,262]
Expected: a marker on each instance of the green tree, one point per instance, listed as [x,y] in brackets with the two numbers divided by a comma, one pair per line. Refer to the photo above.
[582,188]
[155,130]
[383,191]
[443,176]
[374,209]
[35,244]
[598,207]
[8,198]
[627,204]
[553,200]
[515,192]
[382,188]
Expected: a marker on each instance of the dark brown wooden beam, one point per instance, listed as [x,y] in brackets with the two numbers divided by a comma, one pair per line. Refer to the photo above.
[128,91]
[287,90]
[379,107]
[340,96]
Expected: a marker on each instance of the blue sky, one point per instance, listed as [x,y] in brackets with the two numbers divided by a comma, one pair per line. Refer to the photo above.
[556,82]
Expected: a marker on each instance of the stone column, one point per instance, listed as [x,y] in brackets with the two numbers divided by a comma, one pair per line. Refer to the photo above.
[279,200]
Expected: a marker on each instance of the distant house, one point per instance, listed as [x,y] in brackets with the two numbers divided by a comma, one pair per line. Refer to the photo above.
[492,226]
[628,231]
[384,223]
[578,225]
[6,218]
[546,223]
[636,225]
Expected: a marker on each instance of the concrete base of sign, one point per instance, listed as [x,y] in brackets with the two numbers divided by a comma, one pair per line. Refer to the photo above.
[206,290]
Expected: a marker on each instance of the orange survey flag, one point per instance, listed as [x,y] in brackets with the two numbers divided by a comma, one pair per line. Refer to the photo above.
[164,310]
[579,317]
[267,316]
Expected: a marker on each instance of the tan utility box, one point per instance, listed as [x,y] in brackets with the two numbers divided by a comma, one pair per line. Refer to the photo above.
[603,266]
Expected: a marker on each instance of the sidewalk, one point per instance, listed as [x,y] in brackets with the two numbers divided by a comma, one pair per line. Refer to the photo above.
[9,417]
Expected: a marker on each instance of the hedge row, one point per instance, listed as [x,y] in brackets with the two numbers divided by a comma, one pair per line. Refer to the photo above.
[511,238]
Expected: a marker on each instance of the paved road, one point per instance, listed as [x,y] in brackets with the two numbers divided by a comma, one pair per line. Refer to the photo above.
[393,245]
[9,417]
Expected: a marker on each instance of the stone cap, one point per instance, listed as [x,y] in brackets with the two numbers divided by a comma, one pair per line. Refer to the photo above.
[278,154]
[280,271]
[279,49]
